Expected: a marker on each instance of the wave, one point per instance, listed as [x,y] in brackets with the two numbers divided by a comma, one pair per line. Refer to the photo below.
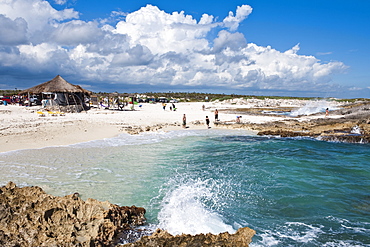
[313,107]
[301,234]
[190,208]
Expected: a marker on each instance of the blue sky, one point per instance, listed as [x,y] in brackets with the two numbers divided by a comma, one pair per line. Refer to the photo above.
[288,48]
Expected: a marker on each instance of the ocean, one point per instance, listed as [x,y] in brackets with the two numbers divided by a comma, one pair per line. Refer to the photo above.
[291,191]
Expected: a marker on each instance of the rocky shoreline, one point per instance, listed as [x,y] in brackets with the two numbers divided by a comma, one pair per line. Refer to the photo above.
[30,217]
[353,126]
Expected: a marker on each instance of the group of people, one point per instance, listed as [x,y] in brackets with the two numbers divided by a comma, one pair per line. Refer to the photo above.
[216,118]
[207,119]
[172,106]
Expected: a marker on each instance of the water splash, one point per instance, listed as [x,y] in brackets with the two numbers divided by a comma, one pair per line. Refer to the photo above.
[185,210]
[313,107]
[356,130]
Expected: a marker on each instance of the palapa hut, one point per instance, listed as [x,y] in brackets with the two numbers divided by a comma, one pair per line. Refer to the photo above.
[61,94]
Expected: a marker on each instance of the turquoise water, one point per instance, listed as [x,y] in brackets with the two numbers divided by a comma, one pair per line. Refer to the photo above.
[293,192]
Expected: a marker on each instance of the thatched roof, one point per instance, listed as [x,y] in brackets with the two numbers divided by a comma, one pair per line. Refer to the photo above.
[56,85]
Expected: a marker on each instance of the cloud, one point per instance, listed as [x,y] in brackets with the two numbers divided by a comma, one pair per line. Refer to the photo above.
[37,13]
[76,32]
[232,21]
[150,47]
[60,2]
[233,41]
[324,53]
[12,32]
[162,32]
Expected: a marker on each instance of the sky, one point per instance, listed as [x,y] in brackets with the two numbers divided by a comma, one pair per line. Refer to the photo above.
[307,48]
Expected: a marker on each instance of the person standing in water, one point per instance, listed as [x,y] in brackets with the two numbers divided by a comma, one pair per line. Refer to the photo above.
[327,112]
[207,122]
[184,121]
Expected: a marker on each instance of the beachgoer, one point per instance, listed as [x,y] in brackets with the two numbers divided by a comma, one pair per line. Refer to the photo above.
[164,106]
[327,112]
[238,119]
[173,107]
[184,121]
[216,115]
[203,107]
[207,121]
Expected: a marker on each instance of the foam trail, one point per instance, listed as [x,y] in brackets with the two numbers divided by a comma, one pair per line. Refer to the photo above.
[184,211]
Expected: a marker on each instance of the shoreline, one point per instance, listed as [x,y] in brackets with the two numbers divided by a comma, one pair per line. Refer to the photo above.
[22,127]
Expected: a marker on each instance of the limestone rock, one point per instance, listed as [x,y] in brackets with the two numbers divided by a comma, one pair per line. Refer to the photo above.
[30,217]
[327,129]
[242,238]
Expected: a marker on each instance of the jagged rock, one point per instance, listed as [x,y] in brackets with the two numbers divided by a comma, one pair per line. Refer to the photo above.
[327,129]
[243,237]
[30,217]
[282,133]
[346,138]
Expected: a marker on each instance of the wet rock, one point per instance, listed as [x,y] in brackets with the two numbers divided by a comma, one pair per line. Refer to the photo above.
[282,133]
[346,138]
[243,237]
[30,217]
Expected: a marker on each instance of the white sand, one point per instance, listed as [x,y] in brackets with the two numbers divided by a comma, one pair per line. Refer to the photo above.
[22,128]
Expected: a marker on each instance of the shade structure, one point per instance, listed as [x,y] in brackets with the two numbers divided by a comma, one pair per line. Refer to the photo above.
[56,85]
[60,93]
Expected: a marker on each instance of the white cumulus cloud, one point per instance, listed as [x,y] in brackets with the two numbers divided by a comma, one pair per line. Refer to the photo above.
[233,21]
[150,47]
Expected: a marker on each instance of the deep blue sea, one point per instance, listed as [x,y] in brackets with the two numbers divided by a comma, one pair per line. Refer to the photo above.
[292,191]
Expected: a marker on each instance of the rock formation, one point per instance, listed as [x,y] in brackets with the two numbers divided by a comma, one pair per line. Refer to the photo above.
[328,129]
[30,217]
[242,238]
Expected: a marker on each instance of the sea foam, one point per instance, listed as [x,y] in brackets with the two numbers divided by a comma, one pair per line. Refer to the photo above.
[313,107]
[185,210]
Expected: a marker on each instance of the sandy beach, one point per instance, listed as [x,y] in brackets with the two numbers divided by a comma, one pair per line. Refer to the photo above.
[22,127]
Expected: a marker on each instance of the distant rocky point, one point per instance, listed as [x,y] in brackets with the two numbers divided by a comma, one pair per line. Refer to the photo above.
[30,217]
[353,126]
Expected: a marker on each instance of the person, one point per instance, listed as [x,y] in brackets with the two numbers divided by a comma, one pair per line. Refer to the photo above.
[207,121]
[216,115]
[238,119]
[203,107]
[184,121]
[164,106]
[173,107]
[327,112]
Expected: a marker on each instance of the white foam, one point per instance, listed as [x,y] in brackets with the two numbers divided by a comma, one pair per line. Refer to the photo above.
[183,210]
[356,130]
[296,232]
[313,107]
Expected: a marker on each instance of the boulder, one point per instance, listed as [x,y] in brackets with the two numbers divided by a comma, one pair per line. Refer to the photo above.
[30,217]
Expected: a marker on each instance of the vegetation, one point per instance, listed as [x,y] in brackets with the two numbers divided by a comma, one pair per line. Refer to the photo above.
[352,100]
[199,97]
[9,92]
[194,96]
